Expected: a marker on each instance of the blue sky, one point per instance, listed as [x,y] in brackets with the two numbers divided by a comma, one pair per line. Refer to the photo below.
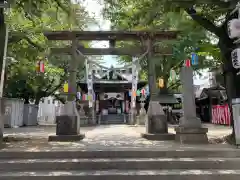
[94,8]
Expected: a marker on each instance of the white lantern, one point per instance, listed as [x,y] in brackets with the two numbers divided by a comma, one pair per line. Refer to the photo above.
[236,58]
[234,28]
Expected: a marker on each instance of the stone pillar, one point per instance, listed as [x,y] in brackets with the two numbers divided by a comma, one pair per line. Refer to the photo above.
[68,127]
[190,129]
[156,125]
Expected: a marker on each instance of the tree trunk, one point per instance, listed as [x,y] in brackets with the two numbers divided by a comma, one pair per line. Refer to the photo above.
[38,97]
[232,80]
[37,100]
[26,101]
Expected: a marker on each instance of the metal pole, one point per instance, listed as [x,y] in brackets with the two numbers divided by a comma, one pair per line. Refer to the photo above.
[4,61]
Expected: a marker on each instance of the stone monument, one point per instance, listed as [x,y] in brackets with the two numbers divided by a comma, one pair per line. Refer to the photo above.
[190,129]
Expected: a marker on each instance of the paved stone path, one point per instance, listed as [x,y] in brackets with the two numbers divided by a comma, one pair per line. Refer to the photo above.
[109,137]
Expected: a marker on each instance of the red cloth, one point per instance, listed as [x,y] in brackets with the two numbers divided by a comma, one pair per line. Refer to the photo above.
[221,114]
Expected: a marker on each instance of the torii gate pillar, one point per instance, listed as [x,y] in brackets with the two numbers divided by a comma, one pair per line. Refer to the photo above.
[68,122]
[156,124]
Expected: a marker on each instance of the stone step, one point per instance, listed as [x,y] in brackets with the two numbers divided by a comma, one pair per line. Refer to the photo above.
[120,164]
[124,175]
[112,122]
[123,153]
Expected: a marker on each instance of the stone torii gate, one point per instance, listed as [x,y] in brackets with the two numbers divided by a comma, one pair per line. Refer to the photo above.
[67,124]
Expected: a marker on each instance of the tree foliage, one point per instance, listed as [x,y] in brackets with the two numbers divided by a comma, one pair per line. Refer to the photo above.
[138,15]
[27,45]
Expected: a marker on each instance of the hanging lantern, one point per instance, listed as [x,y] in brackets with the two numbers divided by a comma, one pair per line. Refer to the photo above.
[41,68]
[188,63]
[65,87]
[161,83]
[130,93]
[147,91]
[83,97]
[38,66]
[172,75]
[89,97]
[79,95]
[143,92]
[134,93]
[138,92]
[194,58]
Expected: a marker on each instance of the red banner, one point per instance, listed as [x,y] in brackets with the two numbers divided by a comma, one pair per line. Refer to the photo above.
[221,114]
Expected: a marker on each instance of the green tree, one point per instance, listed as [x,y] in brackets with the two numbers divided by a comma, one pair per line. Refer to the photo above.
[192,37]
[27,45]
[212,15]
[31,10]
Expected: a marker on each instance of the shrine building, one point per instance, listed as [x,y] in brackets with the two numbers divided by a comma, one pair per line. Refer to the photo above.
[112,95]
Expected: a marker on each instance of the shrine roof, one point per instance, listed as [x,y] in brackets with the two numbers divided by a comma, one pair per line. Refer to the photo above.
[109,35]
[111,85]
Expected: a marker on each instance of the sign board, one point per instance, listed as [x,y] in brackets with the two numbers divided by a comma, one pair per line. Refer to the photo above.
[236,58]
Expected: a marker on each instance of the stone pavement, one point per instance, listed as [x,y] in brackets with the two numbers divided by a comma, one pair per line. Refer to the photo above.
[110,137]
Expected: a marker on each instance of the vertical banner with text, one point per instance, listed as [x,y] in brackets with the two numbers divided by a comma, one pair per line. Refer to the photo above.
[134,81]
[89,82]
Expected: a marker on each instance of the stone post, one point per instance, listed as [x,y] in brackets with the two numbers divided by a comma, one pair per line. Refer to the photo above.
[68,127]
[190,129]
[156,125]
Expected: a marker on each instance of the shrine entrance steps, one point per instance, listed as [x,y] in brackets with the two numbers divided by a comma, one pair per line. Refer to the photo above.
[121,165]
[112,119]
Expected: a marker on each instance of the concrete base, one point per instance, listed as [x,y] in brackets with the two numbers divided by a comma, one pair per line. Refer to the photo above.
[67,125]
[66,138]
[156,120]
[157,124]
[67,129]
[191,135]
[158,137]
